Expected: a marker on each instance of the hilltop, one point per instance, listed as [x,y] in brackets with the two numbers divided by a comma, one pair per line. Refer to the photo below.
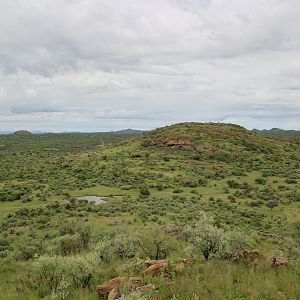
[207,138]
[23,132]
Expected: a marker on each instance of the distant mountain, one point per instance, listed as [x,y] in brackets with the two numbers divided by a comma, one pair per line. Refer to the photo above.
[6,132]
[128,131]
[277,132]
[23,132]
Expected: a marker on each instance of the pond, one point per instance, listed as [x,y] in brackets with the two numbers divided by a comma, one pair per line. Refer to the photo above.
[96,199]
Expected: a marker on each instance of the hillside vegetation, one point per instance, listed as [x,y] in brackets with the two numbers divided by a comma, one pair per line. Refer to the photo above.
[191,211]
[279,133]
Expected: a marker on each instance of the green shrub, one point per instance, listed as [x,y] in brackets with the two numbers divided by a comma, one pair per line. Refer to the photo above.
[206,238]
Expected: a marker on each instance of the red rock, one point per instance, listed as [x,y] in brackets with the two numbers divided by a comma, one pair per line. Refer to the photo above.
[106,287]
[154,266]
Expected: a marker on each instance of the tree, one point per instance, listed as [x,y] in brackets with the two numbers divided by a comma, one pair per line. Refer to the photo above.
[84,233]
[271,203]
[207,238]
[144,192]
[155,243]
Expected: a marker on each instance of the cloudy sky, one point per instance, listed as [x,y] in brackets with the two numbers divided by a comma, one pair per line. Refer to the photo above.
[110,64]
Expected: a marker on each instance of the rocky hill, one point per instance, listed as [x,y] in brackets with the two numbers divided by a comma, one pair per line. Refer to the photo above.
[23,132]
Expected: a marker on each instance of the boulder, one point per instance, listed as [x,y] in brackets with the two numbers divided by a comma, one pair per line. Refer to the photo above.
[110,288]
[135,282]
[278,261]
[251,254]
[105,288]
[247,255]
[114,294]
[185,262]
[154,267]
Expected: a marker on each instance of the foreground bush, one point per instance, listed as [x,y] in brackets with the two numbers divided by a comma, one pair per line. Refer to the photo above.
[55,274]
[207,239]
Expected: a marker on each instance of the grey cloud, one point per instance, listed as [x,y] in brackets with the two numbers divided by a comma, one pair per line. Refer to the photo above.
[148,62]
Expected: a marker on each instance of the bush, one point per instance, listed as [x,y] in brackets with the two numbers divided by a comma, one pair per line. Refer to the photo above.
[126,246]
[81,270]
[69,245]
[233,184]
[84,236]
[155,244]
[207,239]
[271,203]
[122,246]
[237,243]
[57,273]
[103,250]
[144,192]
[260,181]
[49,271]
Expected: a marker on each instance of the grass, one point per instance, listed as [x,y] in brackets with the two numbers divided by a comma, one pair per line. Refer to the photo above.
[184,169]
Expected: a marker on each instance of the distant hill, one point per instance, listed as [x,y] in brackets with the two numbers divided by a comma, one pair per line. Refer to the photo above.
[5,132]
[128,131]
[23,132]
[277,132]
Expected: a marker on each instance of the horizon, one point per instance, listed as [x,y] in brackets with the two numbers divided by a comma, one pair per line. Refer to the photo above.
[99,65]
[35,131]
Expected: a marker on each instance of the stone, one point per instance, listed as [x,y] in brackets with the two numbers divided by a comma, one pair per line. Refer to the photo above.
[278,261]
[154,267]
[114,294]
[106,287]
[247,255]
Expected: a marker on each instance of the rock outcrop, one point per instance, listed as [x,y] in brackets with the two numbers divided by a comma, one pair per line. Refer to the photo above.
[278,261]
[111,289]
[246,256]
[105,288]
[154,267]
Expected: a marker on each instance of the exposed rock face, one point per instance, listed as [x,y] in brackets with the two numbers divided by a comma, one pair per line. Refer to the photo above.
[154,267]
[278,261]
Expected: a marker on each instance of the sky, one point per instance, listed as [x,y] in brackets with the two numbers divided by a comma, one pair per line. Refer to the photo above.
[97,65]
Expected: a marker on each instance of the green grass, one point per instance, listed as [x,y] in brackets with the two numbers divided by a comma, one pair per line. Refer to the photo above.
[186,169]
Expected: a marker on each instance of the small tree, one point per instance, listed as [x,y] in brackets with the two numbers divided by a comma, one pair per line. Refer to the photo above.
[155,243]
[207,238]
[84,233]
[271,203]
[81,270]
[49,271]
[144,192]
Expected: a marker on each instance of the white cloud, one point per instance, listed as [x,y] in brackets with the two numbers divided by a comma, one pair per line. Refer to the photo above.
[102,64]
